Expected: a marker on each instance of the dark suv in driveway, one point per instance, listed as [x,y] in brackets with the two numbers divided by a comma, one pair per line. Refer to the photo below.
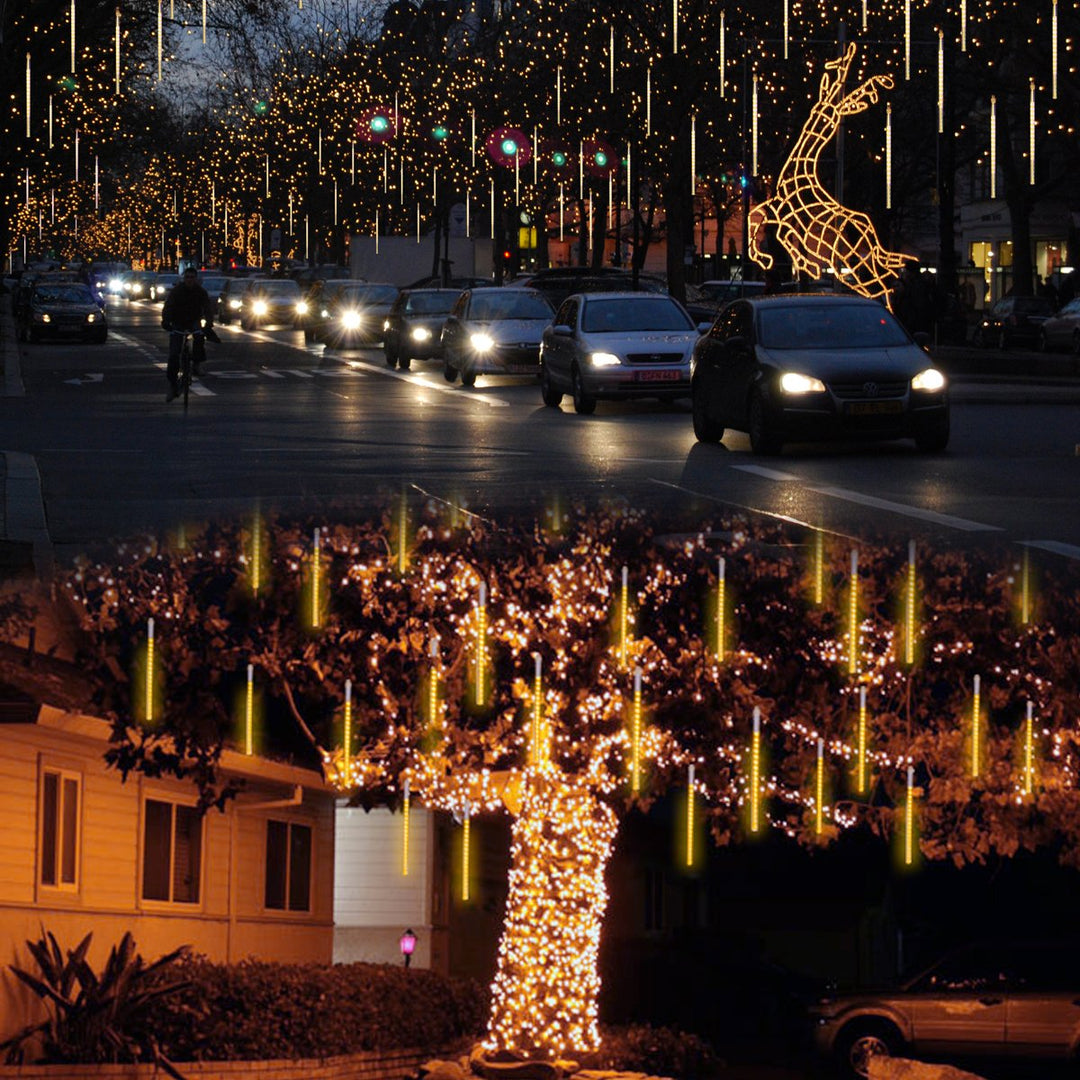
[994,1000]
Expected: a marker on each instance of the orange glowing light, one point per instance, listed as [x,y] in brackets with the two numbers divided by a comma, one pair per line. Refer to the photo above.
[816,231]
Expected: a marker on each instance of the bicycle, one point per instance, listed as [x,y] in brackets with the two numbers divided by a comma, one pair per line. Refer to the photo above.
[187,360]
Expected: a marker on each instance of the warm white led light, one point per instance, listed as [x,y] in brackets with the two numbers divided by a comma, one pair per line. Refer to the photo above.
[259,307]
[930,379]
[420,333]
[791,382]
[350,320]
[482,342]
[604,359]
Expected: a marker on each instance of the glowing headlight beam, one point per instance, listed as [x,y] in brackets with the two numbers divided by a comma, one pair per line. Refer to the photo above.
[755,772]
[853,615]
[690,814]
[149,690]
[481,642]
[405,807]
[976,749]
[819,789]
[861,761]
[910,629]
[635,736]
[720,602]
[249,712]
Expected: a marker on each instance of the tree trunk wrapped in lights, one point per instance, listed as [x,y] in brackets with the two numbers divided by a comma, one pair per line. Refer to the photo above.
[546,987]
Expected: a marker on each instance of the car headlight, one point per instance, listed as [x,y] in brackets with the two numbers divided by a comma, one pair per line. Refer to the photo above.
[90,318]
[235,305]
[325,314]
[604,359]
[301,307]
[930,379]
[259,307]
[420,333]
[482,342]
[791,382]
[350,320]
[136,288]
[46,317]
[115,285]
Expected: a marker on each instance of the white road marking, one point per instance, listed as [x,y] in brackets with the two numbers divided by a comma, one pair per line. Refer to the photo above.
[901,508]
[760,470]
[1070,551]
[96,377]
[419,380]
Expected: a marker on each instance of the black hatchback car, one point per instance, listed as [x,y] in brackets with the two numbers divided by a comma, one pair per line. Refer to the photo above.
[63,309]
[793,368]
[414,326]
[1014,320]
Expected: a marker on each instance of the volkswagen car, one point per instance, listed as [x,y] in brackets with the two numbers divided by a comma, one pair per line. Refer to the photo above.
[793,368]
[353,312]
[271,302]
[494,331]
[413,328]
[616,345]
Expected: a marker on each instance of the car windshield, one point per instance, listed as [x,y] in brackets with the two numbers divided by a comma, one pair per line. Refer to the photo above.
[829,326]
[213,284]
[730,290]
[369,294]
[64,294]
[438,303]
[637,313]
[491,304]
[279,288]
[1033,305]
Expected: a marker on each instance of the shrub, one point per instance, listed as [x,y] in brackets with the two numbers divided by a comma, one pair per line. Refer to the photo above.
[656,1051]
[258,1010]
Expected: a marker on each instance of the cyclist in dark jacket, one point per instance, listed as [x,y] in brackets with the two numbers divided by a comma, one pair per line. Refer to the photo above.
[187,308]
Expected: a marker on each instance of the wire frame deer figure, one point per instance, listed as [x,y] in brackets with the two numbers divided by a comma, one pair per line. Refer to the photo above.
[812,227]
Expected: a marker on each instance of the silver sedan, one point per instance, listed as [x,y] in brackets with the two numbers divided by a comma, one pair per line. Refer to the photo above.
[616,345]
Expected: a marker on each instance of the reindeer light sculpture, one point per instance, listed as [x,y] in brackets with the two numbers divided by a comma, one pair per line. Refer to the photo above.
[812,227]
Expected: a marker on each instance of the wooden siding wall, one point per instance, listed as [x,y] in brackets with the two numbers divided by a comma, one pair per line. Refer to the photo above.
[108,902]
[374,901]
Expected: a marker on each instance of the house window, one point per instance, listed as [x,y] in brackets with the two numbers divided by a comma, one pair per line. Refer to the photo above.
[288,866]
[60,796]
[172,852]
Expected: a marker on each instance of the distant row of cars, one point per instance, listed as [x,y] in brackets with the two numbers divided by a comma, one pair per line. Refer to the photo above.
[1035,321]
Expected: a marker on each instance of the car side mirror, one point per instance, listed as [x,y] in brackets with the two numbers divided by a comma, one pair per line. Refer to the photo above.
[562,330]
[737,342]
[704,327]
[922,339]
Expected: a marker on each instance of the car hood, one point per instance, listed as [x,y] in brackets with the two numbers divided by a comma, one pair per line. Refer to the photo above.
[509,330]
[59,308]
[641,341]
[849,365]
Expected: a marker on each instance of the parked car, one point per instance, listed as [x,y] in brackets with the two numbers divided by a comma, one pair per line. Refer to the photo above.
[353,312]
[231,298]
[983,1000]
[413,327]
[722,291]
[161,285]
[616,345]
[804,368]
[271,302]
[1014,320]
[63,308]
[494,331]
[1062,331]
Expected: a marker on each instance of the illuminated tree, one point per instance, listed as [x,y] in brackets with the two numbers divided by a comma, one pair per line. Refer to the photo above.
[435,629]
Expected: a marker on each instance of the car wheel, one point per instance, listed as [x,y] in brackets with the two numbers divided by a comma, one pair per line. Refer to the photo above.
[309,336]
[706,429]
[933,438]
[449,371]
[861,1043]
[762,439]
[404,362]
[584,404]
[100,337]
[552,397]
[391,356]
[468,377]
[245,323]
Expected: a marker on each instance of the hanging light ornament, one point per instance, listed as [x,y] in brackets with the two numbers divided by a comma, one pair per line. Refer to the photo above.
[993,146]
[481,642]
[433,683]
[755,772]
[537,753]
[963,25]
[611,61]
[347,735]
[861,761]
[888,156]
[599,158]
[1054,50]
[909,817]
[160,31]
[624,615]
[149,687]
[405,808]
[28,95]
[819,789]
[754,127]
[635,736]
[864,16]
[249,711]
[976,733]
[723,58]
[787,26]
[721,601]
[909,604]
[1029,749]
[1025,588]
[508,146]
[853,615]
[72,37]
[116,43]
[941,82]
[819,566]
[558,97]
[907,40]
[465,838]
[690,814]
[648,100]
[1031,133]
[315,559]
[204,22]
[374,126]
[674,26]
[693,154]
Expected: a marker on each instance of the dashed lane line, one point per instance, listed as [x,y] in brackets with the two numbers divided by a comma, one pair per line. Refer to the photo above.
[948,520]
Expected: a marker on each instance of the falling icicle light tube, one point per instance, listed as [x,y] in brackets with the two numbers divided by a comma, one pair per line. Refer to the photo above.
[720,602]
[993,146]
[976,734]
[347,734]
[249,710]
[635,736]
[909,817]
[624,615]
[690,814]
[538,712]
[754,127]
[405,808]
[888,156]
[819,789]
[315,614]
[941,82]
[481,642]
[861,758]
[433,682]
[149,688]
[1031,133]
[465,854]
[910,629]
[755,772]
[853,615]
[1029,749]
[819,566]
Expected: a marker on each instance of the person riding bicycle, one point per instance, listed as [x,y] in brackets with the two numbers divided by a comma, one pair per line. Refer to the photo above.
[187,310]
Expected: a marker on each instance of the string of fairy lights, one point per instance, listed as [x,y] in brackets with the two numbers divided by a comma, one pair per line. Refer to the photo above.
[400,135]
